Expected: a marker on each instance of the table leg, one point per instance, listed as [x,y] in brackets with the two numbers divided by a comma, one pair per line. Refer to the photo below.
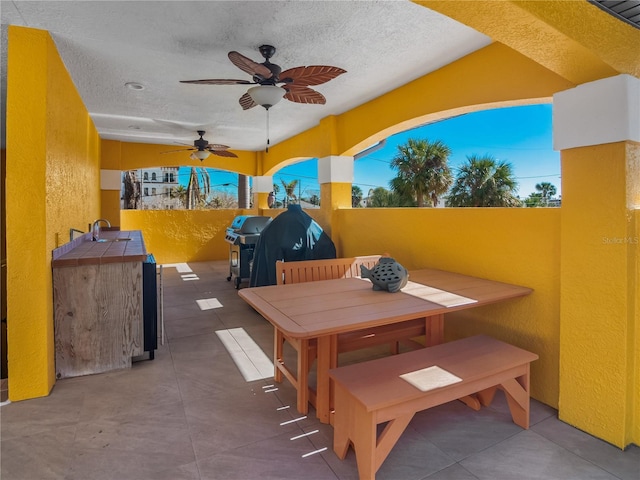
[278,340]
[323,383]
[434,330]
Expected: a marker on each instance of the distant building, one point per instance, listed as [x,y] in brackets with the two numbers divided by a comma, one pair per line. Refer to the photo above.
[150,189]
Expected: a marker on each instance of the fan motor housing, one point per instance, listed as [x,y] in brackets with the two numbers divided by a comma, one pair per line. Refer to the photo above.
[200,143]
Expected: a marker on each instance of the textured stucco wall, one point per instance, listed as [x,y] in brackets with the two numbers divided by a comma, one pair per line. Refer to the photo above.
[52,185]
[598,335]
[183,235]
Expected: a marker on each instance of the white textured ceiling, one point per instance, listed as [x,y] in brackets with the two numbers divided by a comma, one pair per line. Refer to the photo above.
[105,44]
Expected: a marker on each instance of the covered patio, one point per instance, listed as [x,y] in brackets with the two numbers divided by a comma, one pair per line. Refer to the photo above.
[581,260]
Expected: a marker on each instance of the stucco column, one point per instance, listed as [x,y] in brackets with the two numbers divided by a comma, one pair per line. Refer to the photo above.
[597,129]
[262,186]
[335,176]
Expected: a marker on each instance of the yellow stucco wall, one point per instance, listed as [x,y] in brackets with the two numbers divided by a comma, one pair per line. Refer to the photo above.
[598,336]
[127,156]
[635,343]
[190,235]
[52,185]
[183,235]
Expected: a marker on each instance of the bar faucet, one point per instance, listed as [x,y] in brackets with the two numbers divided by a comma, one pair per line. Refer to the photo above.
[96,228]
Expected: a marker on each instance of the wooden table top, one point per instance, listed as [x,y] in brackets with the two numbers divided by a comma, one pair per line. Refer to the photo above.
[328,307]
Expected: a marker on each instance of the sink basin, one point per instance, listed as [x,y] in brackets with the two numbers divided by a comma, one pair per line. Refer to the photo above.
[103,240]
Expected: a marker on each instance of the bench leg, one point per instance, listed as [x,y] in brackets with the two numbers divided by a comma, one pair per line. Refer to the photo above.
[363,433]
[517,393]
[486,396]
[390,436]
[342,416]
[471,401]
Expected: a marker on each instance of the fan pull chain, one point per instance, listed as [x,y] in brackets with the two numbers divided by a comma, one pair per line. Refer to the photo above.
[267,151]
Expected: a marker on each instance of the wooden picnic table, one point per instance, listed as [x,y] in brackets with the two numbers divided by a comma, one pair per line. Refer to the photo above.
[322,310]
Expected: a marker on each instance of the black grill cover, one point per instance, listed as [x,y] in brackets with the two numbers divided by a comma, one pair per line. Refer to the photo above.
[293,235]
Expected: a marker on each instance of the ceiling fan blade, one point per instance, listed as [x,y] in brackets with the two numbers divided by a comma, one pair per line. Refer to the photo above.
[179,150]
[218,81]
[249,66]
[216,146]
[246,102]
[312,75]
[223,153]
[301,94]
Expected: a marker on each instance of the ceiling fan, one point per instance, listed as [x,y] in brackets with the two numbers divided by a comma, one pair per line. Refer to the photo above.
[202,149]
[273,83]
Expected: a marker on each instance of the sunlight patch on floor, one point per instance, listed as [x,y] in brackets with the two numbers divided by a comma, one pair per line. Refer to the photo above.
[180,267]
[208,303]
[189,277]
[247,355]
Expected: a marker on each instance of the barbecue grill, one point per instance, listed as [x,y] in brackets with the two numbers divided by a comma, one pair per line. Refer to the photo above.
[242,236]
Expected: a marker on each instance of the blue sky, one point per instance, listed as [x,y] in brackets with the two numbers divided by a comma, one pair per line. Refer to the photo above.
[521,136]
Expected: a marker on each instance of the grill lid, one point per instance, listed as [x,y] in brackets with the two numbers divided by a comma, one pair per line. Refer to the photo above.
[249,223]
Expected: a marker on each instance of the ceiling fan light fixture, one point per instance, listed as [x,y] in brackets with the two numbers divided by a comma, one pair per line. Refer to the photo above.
[201,154]
[266,95]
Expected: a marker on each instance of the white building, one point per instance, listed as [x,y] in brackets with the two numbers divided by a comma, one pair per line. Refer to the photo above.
[150,189]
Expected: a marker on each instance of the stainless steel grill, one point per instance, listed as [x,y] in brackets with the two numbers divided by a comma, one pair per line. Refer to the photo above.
[242,236]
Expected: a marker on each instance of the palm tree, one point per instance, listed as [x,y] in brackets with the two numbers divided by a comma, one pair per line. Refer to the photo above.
[356,196]
[180,193]
[423,171]
[131,194]
[289,190]
[197,195]
[534,200]
[380,197]
[547,191]
[484,182]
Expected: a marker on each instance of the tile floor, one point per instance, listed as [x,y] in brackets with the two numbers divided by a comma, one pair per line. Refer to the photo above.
[189,414]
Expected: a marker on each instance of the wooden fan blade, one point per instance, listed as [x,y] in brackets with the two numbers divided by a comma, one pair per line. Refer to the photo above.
[249,66]
[246,102]
[223,153]
[218,81]
[179,150]
[300,94]
[216,146]
[312,75]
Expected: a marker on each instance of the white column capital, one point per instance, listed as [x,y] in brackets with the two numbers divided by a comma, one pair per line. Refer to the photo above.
[335,169]
[263,184]
[596,113]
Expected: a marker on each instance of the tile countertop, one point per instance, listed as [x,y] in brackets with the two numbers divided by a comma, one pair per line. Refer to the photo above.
[113,247]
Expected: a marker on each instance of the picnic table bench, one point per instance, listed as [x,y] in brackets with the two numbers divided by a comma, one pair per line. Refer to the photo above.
[373,392]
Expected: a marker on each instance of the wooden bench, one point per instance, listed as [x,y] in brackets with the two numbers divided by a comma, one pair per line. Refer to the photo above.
[370,393]
[306,351]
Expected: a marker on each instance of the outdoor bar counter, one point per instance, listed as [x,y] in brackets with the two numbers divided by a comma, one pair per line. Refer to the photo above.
[98,302]
[113,246]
